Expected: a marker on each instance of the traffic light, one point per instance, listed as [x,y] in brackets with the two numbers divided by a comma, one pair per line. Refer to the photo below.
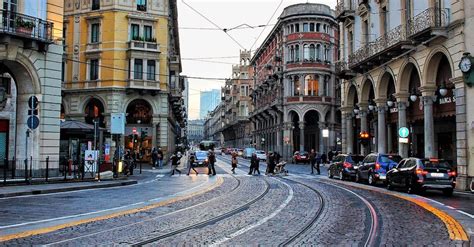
[364,138]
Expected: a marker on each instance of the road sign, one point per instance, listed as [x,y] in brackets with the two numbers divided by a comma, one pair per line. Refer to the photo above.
[33,122]
[403,132]
[403,140]
[33,102]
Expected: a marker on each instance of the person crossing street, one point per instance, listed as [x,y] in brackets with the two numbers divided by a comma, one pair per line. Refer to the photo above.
[192,159]
[234,161]
[175,159]
[212,161]
[254,165]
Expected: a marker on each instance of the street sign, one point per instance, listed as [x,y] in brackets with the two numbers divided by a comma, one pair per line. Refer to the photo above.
[33,102]
[403,132]
[403,140]
[325,133]
[33,122]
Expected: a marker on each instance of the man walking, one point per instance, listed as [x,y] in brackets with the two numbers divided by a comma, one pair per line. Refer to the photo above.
[174,163]
[312,160]
[318,162]
[160,158]
[154,158]
[192,159]
[271,164]
[254,164]
[212,161]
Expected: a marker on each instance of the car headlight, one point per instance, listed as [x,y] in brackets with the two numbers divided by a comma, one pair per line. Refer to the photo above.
[206,160]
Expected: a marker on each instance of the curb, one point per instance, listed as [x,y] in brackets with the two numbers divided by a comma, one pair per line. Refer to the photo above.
[52,191]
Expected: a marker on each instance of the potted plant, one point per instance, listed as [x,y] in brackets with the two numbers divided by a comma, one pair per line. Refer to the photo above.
[24,26]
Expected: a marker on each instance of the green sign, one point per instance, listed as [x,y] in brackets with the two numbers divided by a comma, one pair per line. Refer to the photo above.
[403,132]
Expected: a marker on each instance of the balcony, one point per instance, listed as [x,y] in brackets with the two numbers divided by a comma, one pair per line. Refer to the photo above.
[343,71]
[422,28]
[26,27]
[381,50]
[93,47]
[144,84]
[308,99]
[429,23]
[144,46]
[344,10]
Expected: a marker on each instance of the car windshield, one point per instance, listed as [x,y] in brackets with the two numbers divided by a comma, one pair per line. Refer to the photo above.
[260,152]
[390,158]
[436,164]
[201,155]
[355,158]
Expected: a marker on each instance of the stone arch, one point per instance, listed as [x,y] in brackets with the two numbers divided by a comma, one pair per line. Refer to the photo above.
[431,65]
[142,112]
[368,90]
[352,96]
[147,99]
[403,83]
[319,115]
[93,109]
[22,70]
[385,80]
[85,100]
[292,114]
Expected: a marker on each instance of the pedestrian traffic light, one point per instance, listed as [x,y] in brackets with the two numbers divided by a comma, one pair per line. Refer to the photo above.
[364,137]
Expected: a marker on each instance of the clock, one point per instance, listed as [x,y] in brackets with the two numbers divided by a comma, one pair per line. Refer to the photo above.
[465,64]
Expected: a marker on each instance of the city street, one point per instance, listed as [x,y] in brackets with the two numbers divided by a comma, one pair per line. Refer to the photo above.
[299,209]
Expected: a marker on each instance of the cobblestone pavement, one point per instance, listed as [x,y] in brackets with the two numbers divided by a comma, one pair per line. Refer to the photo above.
[300,209]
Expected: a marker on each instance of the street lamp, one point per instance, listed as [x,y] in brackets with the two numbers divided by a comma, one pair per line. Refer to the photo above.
[413,95]
[371,105]
[443,91]
[356,110]
[390,101]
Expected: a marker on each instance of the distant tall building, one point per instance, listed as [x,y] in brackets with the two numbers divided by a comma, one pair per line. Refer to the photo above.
[209,101]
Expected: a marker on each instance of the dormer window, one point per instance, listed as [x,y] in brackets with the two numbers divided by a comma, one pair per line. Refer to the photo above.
[141,5]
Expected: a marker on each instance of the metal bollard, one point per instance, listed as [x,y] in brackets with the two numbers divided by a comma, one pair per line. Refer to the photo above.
[98,170]
[13,167]
[47,168]
[64,170]
[31,167]
[5,167]
[26,169]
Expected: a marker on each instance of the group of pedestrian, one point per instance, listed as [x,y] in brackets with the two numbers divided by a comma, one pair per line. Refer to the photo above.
[157,158]
[211,158]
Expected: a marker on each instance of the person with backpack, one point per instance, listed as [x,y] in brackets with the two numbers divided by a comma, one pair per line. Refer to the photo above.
[212,160]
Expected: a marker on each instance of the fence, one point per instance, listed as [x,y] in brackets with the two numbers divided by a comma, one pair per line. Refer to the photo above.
[34,170]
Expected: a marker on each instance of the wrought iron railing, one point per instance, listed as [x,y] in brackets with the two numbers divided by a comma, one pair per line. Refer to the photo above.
[26,26]
[430,18]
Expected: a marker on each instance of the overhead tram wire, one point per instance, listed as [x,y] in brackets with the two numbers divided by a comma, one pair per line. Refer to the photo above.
[269,20]
[203,16]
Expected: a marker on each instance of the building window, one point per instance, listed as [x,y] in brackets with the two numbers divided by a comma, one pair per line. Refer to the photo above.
[305,27]
[296,86]
[148,33]
[94,69]
[306,52]
[311,85]
[135,32]
[95,4]
[151,70]
[312,52]
[292,54]
[384,21]
[138,69]
[297,53]
[351,42]
[318,52]
[311,27]
[297,28]
[95,29]
[292,30]
[141,5]
[318,27]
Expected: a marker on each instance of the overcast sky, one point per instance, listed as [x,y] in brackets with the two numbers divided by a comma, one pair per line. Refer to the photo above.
[211,53]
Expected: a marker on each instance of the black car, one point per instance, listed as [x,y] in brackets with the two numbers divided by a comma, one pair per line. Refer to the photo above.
[344,166]
[417,175]
[201,158]
[375,166]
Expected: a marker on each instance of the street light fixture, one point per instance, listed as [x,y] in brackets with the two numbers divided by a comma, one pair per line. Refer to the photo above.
[390,101]
[443,91]
[356,110]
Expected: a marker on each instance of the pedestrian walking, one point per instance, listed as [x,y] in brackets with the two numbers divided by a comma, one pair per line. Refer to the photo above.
[234,162]
[154,158]
[175,159]
[318,162]
[192,159]
[271,164]
[254,165]
[324,158]
[330,155]
[212,160]
[312,160]
[160,158]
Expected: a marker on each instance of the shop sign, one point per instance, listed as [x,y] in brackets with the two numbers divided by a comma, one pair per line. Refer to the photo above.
[447,100]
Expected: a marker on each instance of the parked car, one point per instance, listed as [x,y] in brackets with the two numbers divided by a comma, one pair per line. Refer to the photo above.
[240,152]
[218,151]
[417,175]
[261,155]
[375,166]
[344,166]
[248,153]
[301,157]
[201,158]
[229,150]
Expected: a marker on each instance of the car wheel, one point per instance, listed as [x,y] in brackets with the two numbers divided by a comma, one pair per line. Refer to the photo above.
[330,173]
[371,179]
[357,178]
[448,192]
[341,175]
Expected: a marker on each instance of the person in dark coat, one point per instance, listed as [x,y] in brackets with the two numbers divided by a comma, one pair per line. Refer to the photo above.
[324,158]
[174,163]
[154,158]
[318,162]
[254,165]
[192,159]
[160,158]
[330,155]
[212,160]
[271,164]
[312,160]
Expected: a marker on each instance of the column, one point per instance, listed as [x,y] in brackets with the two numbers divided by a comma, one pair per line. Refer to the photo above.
[343,132]
[389,138]
[332,131]
[381,132]
[279,138]
[349,134]
[363,127]
[429,127]
[288,145]
[402,122]
[301,125]
[322,140]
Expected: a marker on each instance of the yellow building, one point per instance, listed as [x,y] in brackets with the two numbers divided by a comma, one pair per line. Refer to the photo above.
[123,57]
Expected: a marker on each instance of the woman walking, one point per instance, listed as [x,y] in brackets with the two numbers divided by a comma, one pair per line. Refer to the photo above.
[254,164]
[175,162]
[192,159]
[234,162]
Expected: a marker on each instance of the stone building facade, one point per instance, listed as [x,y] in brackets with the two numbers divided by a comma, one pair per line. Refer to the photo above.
[213,125]
[295,93]
[124,57]
[237,128]
[399,64]
[30,65]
